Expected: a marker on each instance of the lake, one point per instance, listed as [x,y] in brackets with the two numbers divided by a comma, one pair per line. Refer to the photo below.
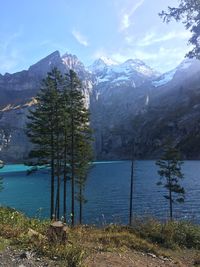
[107,192]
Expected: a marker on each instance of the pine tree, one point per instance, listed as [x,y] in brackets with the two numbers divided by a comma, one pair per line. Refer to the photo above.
[170,171]
[79,139]
[188,13]
[59,129]
[43,130]
[134,154]
[65,106]
[83,166]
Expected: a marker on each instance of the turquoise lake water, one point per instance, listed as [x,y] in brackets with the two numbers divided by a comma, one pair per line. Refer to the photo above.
[107,192]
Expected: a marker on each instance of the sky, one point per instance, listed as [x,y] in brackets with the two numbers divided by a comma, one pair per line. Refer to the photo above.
[118,29]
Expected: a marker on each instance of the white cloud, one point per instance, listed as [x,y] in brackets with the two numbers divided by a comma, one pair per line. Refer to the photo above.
[125,22]
[129,39]
[119,57]
[80,38]
[10,55]
[127,14]
[101,53]
[153,38]
[163,59]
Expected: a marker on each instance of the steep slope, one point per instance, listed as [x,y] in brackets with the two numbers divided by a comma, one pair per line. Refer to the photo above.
[17,88]
[125,100]
[120,92]
[17,92]
[154,111]
[14,145]
[175,119]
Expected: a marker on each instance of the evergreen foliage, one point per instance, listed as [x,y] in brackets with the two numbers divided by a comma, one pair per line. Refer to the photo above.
[170,175]
[80,152]
[60,131]
[42,131]
[188,13]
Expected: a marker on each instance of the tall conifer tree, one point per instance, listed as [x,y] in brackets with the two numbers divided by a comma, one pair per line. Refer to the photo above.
[171,174]
[79,139]
[43,131]
[59,129]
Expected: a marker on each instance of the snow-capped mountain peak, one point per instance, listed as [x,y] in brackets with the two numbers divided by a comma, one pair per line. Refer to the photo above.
[132,72]
[71,61]
[164,79]
[108,61]
[134,62]
[187,66]
[102,64]
[105,66]
[139,66]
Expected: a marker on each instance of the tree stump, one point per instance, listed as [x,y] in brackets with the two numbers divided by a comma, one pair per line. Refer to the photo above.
[57,233]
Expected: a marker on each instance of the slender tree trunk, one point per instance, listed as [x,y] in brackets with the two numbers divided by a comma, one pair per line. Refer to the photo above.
[52,215]
[52,190]
[57,166]
[170,194]
[65,180]
[131,185]
[58,198]
[131,194]
[73,172]
[72,156]
[170,200]
[80,205]
[57,206]
[58,178]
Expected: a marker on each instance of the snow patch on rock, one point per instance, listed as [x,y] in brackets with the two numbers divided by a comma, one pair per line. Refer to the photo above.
[164,79]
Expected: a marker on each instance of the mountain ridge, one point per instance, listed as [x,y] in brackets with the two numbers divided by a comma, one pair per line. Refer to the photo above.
[117,94]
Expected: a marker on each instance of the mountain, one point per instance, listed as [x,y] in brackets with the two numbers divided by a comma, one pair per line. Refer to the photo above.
[184,71]
[125,100]
[119,92]
[134,72]
[151,111]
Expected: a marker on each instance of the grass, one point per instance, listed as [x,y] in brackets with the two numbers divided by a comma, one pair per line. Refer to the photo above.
[170,234]
[150,236]
[3,243]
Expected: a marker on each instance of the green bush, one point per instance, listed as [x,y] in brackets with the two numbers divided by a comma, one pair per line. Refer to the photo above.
[169,234]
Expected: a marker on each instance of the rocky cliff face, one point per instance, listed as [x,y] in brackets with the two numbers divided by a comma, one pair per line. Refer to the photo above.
[14,145]
[158,108]
[17,92]
[125,100]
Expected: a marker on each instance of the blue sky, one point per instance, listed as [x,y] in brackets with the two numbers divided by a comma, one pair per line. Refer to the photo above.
[119,29]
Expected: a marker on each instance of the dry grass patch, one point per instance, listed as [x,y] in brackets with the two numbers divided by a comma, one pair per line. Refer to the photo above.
[82,241]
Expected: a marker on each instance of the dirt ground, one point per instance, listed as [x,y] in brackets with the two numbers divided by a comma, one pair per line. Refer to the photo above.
[132,259]
[18,258]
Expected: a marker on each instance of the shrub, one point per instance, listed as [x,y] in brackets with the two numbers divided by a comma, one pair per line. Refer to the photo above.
[169,234]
